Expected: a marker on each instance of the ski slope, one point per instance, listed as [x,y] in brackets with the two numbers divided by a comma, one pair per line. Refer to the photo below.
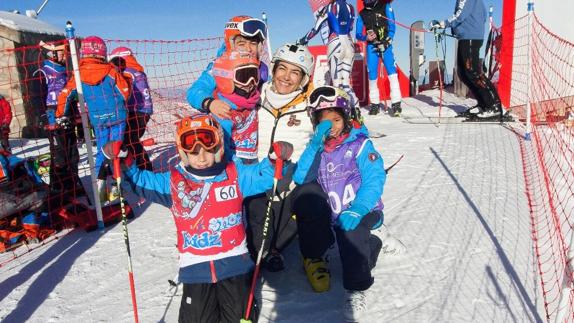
[456,200]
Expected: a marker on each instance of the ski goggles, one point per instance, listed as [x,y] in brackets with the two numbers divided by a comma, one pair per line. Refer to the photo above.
[252,27]
[327,97]
[206,138]
[244,75]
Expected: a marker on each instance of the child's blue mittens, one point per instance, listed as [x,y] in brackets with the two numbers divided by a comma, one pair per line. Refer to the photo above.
[321,132]
[350,218]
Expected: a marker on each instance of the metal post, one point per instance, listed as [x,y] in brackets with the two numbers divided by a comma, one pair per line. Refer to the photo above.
[529,71]
[264,17]
[85,124]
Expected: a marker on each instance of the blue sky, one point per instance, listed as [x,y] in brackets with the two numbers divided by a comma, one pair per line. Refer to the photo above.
[289,20]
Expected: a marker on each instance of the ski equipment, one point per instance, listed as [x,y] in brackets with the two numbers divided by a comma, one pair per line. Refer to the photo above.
[235,68]
[245,26]
[199,129]
[93,46]
[327,97]
[120,52]
[297,55]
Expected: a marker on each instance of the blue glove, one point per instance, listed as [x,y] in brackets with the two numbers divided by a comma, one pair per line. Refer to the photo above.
[321,132]
[51,114]
[350,218]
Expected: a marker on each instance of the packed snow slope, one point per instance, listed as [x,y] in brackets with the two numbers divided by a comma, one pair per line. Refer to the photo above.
[456,201]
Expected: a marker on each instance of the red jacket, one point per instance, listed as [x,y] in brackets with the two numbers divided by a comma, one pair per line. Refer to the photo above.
[5,112]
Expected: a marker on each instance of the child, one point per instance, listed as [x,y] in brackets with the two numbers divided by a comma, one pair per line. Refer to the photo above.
[351,172]
[106,92]
[140,105]
[237,78]
[205,192]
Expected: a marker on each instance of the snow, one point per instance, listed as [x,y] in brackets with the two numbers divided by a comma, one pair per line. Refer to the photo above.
[456,200]
[23,23]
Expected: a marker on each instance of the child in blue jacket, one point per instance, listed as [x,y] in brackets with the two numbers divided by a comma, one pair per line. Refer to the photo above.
[205,193]
[351,172]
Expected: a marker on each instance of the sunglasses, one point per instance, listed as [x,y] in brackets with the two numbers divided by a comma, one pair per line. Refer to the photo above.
[204,137]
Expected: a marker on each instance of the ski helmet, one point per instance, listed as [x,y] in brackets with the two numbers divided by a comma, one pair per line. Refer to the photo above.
[199,129]
[235,68]
[245,26]
[93,46]
[328,97]
[298,55]
[120,52]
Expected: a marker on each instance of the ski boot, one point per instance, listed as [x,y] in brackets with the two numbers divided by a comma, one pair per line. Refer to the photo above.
[355,305]
[114,193]
[274,262]
[318,274]
[396,109]
[374,109]
[470,112]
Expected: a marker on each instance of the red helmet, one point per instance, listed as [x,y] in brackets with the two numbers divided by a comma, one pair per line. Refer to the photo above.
[120,52]
[245,26]
[199,129]
[235,68]
[93,46]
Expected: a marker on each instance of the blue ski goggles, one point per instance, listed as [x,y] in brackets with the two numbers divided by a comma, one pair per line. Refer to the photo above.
[253,27]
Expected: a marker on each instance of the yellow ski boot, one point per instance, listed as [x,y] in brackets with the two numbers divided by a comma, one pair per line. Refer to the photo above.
[318,274]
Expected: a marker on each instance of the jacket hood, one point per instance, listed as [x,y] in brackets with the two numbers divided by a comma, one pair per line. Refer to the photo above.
[93,70]
[131,62]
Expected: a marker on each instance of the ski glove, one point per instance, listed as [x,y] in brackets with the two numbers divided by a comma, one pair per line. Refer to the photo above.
[112,150]
[321,132]
[349,219]
[302,41]
[434,25]
[281,150]
[63,122]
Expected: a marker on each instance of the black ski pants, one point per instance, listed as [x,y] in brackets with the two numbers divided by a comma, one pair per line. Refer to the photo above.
[471,74]
[135,129]
[223,301]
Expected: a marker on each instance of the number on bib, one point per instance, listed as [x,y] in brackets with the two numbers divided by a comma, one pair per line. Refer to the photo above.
[225,193]
[335,199]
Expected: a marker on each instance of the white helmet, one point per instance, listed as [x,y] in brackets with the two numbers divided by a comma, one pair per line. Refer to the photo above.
[298,55]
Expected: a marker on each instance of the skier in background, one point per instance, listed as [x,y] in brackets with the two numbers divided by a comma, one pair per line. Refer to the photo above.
[5,120]
[139,105]
[376,25]
[340,17]
[467,24]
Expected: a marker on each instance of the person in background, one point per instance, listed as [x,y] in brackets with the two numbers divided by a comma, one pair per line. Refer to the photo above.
[376,26]
[5,120]
[139,105]
[468,26]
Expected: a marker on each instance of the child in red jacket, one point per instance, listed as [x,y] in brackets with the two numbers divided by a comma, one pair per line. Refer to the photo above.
[5,119]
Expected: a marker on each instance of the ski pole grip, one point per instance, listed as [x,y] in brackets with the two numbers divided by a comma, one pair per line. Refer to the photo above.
[278,169]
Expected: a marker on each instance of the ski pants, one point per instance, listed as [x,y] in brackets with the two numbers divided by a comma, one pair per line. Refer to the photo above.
[373,57]
[358,248]
[135,129]
[105,134]
[471,74]
[341,53]
[64,158]
[224,301]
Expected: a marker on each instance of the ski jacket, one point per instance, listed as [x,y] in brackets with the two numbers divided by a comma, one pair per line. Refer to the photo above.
[207,214]
[289,122]
[468,19]
[140,99]
[380,19]
[5,113]
[340,17]
[56,77]
[353,175]
[241,129]
[204,87]
[105,92]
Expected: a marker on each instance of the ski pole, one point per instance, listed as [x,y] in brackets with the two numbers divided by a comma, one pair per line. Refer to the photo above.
[394,164]
[437,39]
[118,178]
[276,177]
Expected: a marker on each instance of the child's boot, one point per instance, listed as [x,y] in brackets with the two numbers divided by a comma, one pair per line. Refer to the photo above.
[318,274]
[355,305]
